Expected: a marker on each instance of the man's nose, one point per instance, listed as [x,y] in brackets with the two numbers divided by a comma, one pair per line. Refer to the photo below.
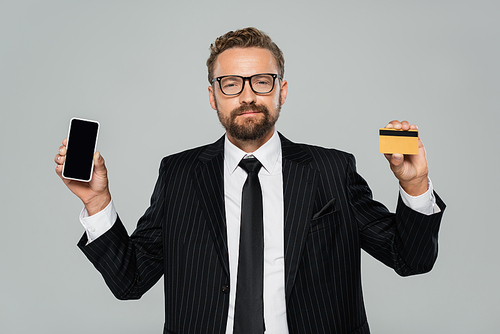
[247,95]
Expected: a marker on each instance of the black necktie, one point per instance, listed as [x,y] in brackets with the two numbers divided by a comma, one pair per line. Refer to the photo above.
[249,305]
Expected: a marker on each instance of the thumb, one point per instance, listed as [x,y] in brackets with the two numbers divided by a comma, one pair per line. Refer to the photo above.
[396,161]
[397,158]
[99,163]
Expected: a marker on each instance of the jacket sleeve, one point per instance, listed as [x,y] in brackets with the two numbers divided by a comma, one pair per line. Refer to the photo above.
[406,241]
[131,265]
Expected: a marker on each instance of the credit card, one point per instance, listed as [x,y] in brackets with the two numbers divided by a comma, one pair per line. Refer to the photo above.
[398,141]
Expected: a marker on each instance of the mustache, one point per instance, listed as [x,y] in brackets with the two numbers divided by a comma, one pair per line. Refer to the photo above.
[250,107]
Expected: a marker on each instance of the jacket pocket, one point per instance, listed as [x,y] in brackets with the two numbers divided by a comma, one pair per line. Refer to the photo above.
[329,208]
[325,217]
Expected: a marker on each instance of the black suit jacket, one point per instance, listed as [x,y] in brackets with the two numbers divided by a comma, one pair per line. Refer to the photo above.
[329,216]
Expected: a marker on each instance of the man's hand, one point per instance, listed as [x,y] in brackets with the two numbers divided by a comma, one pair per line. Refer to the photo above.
[95,194]
[410,170]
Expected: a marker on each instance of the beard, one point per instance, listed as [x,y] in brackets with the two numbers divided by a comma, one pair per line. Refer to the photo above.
[250,129]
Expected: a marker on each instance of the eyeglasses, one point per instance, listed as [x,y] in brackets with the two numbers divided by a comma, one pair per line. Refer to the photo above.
[231,85]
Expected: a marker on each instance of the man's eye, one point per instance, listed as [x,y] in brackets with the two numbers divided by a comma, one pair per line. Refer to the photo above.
[230,83]
[262,81]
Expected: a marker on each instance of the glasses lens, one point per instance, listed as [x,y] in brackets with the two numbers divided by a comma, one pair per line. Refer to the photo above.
[262,83]
[231,85]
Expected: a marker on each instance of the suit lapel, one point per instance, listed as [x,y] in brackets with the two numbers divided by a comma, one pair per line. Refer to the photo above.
[299,183]
[209,178]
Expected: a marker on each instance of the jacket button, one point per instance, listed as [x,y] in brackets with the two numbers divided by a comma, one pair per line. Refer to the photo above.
[225,288]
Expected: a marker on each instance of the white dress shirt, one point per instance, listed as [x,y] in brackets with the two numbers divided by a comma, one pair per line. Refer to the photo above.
[271,179]
[271,182]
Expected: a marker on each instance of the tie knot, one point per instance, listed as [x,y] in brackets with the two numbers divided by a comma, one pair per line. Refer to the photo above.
[250,165]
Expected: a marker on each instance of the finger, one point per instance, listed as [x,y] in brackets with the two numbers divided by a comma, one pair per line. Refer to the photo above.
[59,159]
[62,150]
[59,169]
[404,125]
[395,124]
[390,125]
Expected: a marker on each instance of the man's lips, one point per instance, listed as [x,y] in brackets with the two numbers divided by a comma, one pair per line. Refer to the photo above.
[249,112]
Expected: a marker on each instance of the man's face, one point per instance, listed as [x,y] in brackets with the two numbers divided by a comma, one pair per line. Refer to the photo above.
[247,116]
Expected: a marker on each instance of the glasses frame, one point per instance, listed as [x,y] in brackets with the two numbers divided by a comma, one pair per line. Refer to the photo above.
[218,79]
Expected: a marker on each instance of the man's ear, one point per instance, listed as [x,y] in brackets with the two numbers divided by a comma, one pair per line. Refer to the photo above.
[211,97]
[283,92]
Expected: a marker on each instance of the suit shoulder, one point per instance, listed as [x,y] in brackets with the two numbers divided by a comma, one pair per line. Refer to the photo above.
[319,153]
[192,157]
[184,156]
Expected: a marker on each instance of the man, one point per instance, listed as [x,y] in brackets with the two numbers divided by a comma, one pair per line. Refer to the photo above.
[315,215]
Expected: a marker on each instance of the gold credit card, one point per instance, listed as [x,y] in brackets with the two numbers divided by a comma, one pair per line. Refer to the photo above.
[398,141]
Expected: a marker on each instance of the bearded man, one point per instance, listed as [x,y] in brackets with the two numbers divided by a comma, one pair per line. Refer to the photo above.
[255,233]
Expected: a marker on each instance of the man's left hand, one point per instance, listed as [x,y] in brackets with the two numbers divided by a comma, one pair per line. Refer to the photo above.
[410,170]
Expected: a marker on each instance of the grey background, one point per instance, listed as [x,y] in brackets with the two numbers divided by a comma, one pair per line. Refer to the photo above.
[139,68]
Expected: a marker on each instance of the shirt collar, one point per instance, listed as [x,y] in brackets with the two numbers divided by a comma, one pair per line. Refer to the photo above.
[268,154]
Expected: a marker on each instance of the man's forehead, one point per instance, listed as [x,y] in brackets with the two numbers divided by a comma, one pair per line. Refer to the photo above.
[245,61]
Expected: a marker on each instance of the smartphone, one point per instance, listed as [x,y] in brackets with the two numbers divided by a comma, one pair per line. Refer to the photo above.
[80,149]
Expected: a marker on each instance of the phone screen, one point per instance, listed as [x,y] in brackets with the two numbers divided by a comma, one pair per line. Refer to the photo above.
[82,140]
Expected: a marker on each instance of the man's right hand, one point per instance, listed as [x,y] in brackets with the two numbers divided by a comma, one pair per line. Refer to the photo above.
[95,194]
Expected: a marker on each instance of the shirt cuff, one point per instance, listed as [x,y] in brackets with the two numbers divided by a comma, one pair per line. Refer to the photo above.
[99,223]
[424,204]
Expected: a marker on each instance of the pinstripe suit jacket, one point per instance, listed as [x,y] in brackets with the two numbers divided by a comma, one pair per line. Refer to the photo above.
[329,216]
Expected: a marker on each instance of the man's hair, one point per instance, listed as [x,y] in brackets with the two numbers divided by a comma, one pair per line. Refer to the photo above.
[244,38]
